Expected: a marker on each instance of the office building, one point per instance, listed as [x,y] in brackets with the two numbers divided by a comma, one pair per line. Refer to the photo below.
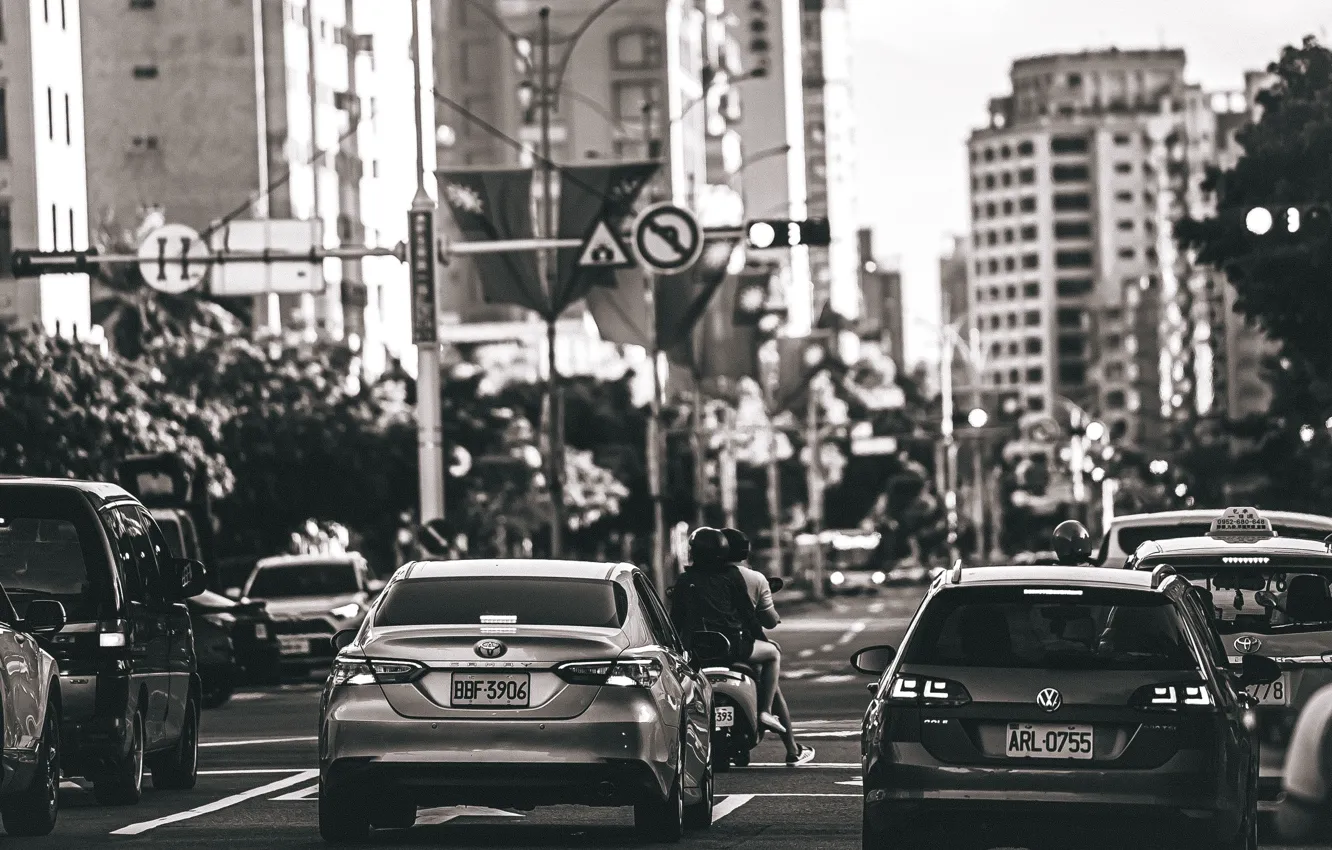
[43,175]
[881,317]
[955,310]
[200,108]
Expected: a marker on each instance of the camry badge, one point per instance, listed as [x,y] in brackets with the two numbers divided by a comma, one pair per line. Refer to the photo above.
[490,648]
[1248,644]
[1049,699]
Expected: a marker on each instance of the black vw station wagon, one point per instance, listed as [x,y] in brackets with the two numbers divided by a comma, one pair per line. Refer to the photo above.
[1055,700]
[128,677]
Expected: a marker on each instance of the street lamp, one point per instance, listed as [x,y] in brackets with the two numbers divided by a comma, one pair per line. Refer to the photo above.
[1307,434]
[977,418]
[1096,431]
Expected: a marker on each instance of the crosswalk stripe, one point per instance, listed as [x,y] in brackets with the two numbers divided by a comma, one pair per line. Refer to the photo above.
[728,805]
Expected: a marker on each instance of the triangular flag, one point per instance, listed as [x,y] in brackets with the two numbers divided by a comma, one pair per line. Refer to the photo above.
[602,249]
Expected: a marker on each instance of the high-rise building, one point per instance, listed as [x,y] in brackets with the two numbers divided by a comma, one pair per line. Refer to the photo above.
[955,306]
[881,317]
[43,175]
[272,109]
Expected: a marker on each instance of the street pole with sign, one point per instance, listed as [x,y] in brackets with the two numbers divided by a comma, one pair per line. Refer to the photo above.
[814,472]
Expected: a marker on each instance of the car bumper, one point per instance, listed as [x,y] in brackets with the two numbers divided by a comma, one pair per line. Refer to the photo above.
[617,752]
[915,785]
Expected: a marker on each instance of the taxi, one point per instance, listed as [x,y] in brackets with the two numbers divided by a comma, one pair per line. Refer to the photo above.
[1267,595]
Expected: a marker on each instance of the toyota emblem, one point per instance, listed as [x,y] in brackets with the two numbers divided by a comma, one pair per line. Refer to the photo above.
[490,648]
[1049,699]
[1248,644]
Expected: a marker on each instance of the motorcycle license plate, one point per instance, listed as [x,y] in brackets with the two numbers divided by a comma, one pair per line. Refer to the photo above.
[1273,693]
[725,715]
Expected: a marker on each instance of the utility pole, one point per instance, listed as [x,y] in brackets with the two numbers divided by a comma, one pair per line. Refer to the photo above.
[977,450]
[771,377]
[814,478]
[949,454]
[425,323]
[654,452]
[554,409]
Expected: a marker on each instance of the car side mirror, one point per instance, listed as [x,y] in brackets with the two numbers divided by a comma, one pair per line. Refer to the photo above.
[190,577]
[874,659]
[44,617]
[776,583]
[343,639]
[233,593]
[711,647]
[1258,670]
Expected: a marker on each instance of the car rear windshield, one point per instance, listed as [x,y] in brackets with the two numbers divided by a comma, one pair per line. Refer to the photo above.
[1051,629]
[43,558]
[1130,538]
[524,601]
[312,578]
[1269,599]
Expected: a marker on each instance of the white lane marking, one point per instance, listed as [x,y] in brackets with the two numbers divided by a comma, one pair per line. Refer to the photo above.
[728,805]
[218,805]
[851,633]
[311,793]
[252,770]
[876,608]
[434,817]
[852,733]
[827,647]
[859,782]
[254,742]
[793,794]
[835,626]
[828,765]
[248,697]
[834,679]
[805,653]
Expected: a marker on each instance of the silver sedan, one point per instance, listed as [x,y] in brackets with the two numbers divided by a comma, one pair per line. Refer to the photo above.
[514,684]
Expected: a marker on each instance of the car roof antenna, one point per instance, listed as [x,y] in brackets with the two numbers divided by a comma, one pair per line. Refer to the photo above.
[956,577]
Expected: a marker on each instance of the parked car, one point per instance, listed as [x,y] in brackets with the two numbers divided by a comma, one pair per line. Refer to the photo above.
[30,695]
[310,598]
[1126,533]
[129,684]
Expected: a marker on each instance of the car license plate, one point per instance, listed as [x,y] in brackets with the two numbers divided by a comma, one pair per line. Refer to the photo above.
[261,631]
[1048,741]
[486,690]
[1273,693]
[289,645]
[725,715]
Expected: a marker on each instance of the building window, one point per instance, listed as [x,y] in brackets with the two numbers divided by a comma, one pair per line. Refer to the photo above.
[1036,403]
[975,211]
[1009,264]
[1029,233]
[633,98]
[1027,176]
[1127,253]
[1115,400]
[69,133]
[1074,374]
[989,154]
[1008,236]
[980,294]
[1068,317]
[1026,148]
[1124,197]
[991,238]
[1031,318]
[1070,173]
[994,293]
[1005,152]
[1031,290]
[71,229]
[46,11]
[1074,81]
[1125,224]
[145,72]
[1034,345]
[1123,168]
[1010,292]
[50,113]
[1114,371]
[989,210]
[996,349]
[1014,376]
[4,130]
[145,143]
[1035,375]
[989,181]
[1012,349]
[1073,287]
[62,23]
[55,228]
[1113,342]
[975,184]
[1027,204]
[1122,139]
[1075,202]
[1031,261]
[1011,319]
[1008,207]
[1072,229]
[980,269]
[994,267]
[1068,144]
[1070,346]
[636,50]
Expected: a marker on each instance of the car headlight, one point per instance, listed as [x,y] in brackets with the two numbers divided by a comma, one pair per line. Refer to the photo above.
[221,619]
[362,671]
[837,578]
[346,612]
[878,577]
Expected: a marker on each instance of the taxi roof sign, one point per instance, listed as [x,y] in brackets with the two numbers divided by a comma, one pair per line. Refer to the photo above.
[1241,524]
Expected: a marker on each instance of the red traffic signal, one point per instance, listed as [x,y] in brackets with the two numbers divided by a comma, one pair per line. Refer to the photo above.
[1289,221]
[788,233]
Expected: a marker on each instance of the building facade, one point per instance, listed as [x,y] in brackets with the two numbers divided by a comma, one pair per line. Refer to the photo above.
[43,174]
[881,317]
[261,109]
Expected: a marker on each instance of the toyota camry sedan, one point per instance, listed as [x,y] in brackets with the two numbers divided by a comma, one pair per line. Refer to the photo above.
[514,684]
[1061,699]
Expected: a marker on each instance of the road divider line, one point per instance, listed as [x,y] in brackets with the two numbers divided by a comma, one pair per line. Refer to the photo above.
[434,817]
[254,742]
[805,653]
[728,805]
[311,793]
[217,805]
[795,794]
[827,647]
[833,679]
[852,733]
[768,765]
[244,771]
[850,634]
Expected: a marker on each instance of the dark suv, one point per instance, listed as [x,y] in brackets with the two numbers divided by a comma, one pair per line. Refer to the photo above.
[128,679]
[1055,699]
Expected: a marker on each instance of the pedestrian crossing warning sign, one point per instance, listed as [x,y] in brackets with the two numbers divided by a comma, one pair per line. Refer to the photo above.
[603,249]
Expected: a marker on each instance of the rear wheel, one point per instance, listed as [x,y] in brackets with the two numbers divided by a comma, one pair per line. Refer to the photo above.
[699,815]
[662,821]
[343,818]
[34,811]
[123,786]
[179,768]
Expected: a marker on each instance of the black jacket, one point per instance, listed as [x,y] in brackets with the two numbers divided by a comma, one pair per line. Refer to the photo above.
[713,597]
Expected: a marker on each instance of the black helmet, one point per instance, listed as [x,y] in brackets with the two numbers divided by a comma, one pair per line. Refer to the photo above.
[708,546]
[738,544]
[1072,543]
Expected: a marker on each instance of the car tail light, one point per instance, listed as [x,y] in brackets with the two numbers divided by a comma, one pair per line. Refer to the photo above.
[1178,696]
[363,671]
[927,691]
[111,634]
[624,673]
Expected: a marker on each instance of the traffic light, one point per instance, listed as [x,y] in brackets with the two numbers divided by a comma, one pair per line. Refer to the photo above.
[1303,221]
[787,233]
[34,263]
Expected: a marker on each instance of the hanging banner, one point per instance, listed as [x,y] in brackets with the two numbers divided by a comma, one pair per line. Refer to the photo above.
[492,204]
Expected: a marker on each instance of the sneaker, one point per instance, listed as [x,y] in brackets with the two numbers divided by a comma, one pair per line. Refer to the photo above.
[804,755]
[771,723]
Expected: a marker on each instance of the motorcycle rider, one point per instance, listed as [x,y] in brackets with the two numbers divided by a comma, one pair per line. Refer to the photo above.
[760,593]
[711,596]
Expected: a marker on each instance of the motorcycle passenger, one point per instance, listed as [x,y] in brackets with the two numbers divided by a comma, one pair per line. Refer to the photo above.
[760,593]
[710,596]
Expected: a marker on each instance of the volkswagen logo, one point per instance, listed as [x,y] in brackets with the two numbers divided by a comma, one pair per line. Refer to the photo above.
[1248,644]
[1049,699]
[490,648]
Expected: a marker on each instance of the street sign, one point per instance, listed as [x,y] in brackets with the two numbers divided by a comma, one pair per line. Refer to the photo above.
[434,538]
[874,446]
[279,236]
[668,239]
[173,259]
[602,249]
[421,262]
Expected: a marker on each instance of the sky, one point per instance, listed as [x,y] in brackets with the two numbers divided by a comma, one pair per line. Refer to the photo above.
[924,71]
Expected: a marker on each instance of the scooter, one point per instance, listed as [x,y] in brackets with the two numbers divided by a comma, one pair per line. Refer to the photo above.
[735,727]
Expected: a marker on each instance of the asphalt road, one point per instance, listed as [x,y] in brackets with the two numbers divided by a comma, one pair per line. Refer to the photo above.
[257,766]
